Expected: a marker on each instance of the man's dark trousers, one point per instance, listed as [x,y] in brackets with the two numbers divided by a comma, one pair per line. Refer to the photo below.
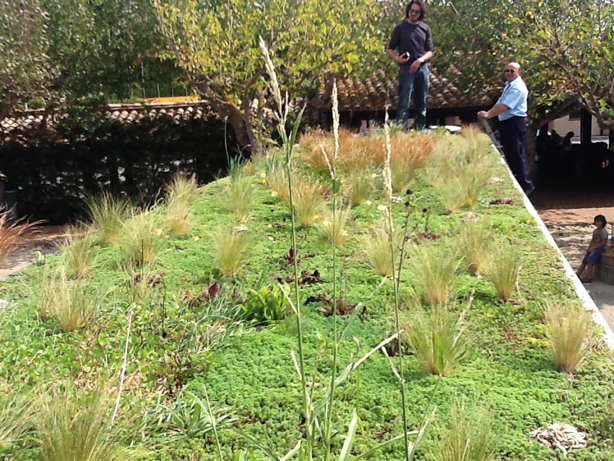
[418,83]
[512,133]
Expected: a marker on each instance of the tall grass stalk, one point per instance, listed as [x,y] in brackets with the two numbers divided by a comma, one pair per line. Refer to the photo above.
[79,251]
[10,232]
[288,142]
[468,436]
[502,269]
[180,194]
[240,194]
[568,332]
[106,214]
[396,279]
[434,275]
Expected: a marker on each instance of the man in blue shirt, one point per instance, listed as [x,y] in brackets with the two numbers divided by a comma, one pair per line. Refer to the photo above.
[511,108]
[414,42]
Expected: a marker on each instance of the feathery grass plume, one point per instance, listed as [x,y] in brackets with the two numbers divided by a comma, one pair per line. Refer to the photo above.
[357,188]
[439,340]
[309,202]
[79,251]
[277,179]
[378,251]
[434,274]
[180,194]
[231,250]
[69,302]
[333,226]
[502,268]
[474,241]
[15,416]
[568,333]
[74,426]
[106,214]
[240,195]
[10,232]
[142,240]
[468,435]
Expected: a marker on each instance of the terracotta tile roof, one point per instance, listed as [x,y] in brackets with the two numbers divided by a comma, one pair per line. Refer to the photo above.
[127,113]
[373,94]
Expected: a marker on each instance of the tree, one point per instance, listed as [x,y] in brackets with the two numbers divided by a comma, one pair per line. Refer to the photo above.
[25,69]
[216,44]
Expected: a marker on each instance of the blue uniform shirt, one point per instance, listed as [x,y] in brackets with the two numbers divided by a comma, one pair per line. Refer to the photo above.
[514,96]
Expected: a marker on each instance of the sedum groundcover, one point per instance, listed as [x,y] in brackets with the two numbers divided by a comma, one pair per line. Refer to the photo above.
[196,352]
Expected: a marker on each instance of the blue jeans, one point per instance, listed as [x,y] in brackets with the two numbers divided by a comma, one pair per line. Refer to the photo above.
[419,84]
[593,256]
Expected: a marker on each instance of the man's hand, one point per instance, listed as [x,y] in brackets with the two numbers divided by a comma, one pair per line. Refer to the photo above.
[414,67]
[482,114]
[401,59]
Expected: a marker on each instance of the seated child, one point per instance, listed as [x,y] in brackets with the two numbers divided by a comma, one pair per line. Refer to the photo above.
[595,248]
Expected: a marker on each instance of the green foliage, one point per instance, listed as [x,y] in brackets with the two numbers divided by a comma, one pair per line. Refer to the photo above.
[440,341]
[468,435]
[267,305]
[568,333]
[106,215]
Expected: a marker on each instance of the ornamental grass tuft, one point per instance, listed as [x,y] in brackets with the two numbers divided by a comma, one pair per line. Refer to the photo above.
[180,194]
[231,250]
[474,241]
[106,215]
[433,274]
[568,333]
[502,268]
[240,195]
[79,251]
[10,233]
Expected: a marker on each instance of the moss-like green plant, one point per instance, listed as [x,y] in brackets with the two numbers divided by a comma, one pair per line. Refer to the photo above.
[433,274]
[142,240]
[468,435]
[502,268]
[334,227]
[439,340]
[309,203]
[357,187]
[568,332]
[74,426]
[474,241]
[106,214]
[180,194]
[79,251]
[231,250]
[69,302]
[240,194]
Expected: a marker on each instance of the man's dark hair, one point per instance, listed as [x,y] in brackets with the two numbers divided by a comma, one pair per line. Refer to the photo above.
[601,219]
[422,6]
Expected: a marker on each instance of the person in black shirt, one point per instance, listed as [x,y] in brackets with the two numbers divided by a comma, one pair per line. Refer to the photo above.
[411,46]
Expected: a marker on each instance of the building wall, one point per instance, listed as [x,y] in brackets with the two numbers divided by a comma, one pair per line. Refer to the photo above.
[570,123]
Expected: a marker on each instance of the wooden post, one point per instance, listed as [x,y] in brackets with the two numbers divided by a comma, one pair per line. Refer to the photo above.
[586,128]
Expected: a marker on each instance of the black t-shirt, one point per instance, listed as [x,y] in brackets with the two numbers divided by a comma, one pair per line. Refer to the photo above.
[415,38]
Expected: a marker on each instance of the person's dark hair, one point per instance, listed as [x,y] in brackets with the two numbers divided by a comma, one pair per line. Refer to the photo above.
[601,219]
[422,6]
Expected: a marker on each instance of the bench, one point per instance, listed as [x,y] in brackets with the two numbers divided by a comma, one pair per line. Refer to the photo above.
[604,269]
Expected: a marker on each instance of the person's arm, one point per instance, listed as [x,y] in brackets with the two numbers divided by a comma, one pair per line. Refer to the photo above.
[416,64]
[494,111]
[398,59]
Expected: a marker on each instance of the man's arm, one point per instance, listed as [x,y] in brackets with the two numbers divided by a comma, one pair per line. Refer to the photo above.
[495,110]
[416,64]
[399,59]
